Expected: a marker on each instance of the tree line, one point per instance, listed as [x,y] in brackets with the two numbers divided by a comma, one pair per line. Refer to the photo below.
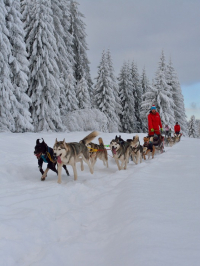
[45,74]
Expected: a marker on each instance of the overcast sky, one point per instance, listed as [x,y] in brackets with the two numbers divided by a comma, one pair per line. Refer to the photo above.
[139,30]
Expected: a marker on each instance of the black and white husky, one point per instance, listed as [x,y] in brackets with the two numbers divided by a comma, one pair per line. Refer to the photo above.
[71,153]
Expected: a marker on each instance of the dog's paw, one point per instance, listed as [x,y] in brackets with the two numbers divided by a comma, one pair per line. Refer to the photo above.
[43,178]
[59,181]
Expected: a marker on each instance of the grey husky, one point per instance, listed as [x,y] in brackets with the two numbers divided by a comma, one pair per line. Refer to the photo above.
[120,151]
[71,153]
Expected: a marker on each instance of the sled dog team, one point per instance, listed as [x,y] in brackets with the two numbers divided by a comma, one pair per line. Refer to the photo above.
[64,153]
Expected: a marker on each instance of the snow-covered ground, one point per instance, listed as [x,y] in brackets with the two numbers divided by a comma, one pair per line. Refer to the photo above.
[147,215]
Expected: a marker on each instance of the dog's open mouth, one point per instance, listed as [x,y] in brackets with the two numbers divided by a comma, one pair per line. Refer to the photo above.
[38,155]
[113,150]
[59,159]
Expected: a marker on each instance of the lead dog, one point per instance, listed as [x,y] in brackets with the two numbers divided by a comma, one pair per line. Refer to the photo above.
[98,151]
[120,151]
[71,153]
[44,153]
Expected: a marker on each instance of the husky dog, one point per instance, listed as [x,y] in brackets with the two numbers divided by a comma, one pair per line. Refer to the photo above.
[98,151]
[136,150]
[71,153]
[45,154]
[167,140]
[148,148]
[172,141]
[120,151]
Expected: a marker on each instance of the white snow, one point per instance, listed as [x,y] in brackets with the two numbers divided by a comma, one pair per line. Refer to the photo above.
[147,215]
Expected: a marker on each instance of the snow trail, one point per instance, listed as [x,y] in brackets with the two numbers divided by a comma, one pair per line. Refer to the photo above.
[147,215]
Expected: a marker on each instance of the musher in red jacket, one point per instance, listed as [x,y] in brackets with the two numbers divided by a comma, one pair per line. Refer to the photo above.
[154,122]
[177,128]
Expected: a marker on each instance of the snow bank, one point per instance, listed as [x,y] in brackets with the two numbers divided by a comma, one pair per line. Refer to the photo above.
[85,120]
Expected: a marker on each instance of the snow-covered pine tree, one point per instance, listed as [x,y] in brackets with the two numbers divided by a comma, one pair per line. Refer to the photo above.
[82,94]
[137,94]
[104,96]
[198,127]
[144,82]
[179,107]
[114,85]
[19,67]
[64,40]
[163,98]
[77,30]
[44,80]
[127,116]
[146,100]
[7,98]
[70,102]
[192,127]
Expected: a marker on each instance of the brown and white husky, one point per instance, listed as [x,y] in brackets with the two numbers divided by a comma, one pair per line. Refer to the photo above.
[98,151]
[136,150]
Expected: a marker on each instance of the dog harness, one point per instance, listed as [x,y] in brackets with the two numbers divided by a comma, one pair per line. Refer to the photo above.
[149,146]
[48,156]
[135,149]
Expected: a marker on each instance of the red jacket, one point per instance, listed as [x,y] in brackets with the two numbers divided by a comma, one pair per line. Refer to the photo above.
[177,128]
[154,122]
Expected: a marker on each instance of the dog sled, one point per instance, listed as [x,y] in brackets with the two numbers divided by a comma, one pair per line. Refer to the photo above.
[177,136]
[158,142]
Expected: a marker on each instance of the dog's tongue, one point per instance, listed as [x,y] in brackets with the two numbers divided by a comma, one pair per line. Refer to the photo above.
[113,150]
[59,159]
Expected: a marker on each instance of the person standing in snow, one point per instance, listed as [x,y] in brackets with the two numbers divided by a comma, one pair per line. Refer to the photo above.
[166,130]
[177,128]
[154,122]
[170,132]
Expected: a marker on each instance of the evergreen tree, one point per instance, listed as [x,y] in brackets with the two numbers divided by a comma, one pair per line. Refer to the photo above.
[163,97]
[64,40]
[44,80]
[69,103]
[147,99]
[179,107]
[104,96]
[137,94]
[198,127]
[114,85]
[144,82]
[192,127]
[7,98]
[77,30]
[19,67]
[83,94]
[127,116]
